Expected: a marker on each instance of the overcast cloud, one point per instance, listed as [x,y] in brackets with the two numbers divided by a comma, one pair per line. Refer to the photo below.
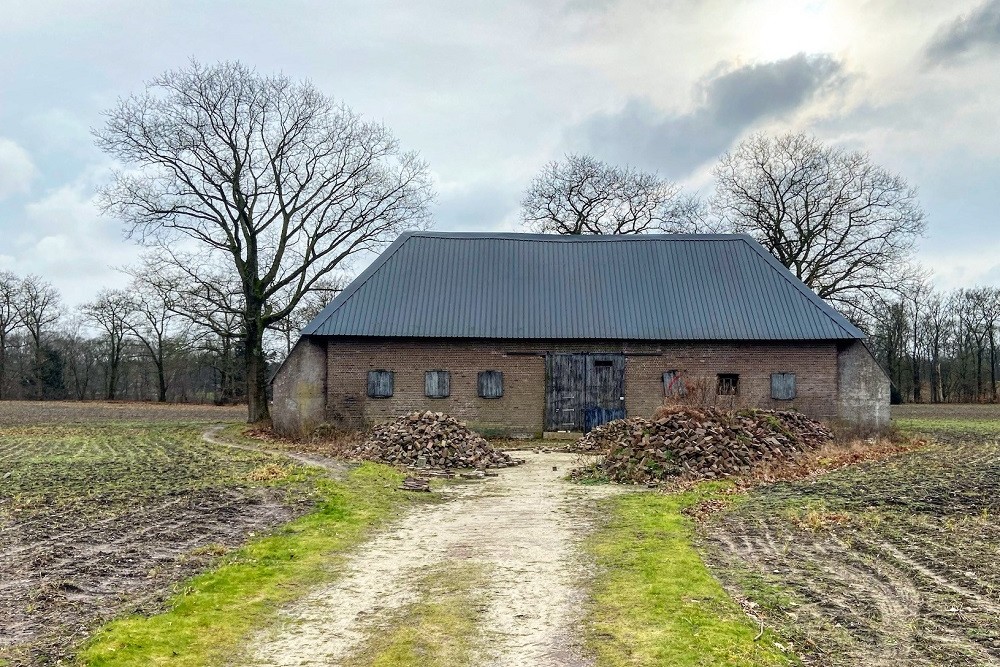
[488,92]
[728,103]
[979,30]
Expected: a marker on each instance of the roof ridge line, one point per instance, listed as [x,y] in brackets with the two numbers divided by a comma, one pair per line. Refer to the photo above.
[578,238]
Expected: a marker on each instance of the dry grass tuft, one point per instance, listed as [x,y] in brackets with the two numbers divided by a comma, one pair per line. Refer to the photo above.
[840,453]
[267,473]
[326,440]
[214,549]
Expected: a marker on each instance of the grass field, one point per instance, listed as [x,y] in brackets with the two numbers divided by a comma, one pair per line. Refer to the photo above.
[655,602]
[889,563]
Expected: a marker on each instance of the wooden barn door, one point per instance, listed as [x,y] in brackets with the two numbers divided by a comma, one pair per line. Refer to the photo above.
[583,390]
[565,386]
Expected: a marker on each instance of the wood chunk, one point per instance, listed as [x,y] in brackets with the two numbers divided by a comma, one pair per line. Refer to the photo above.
[415,484]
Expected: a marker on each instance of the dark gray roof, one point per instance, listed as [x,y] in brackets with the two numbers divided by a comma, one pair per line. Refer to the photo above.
[543,286]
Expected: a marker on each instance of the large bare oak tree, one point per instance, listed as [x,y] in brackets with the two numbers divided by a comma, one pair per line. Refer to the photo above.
[844,225]
[263,175]
[583,195]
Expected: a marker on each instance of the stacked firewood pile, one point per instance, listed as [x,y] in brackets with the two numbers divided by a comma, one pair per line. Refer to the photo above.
[699,443]
[430,440]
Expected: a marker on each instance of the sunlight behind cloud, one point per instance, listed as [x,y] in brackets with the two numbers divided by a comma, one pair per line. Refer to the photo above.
[781,28]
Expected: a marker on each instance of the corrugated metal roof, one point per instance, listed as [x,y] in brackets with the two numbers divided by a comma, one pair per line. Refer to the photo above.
[545,286]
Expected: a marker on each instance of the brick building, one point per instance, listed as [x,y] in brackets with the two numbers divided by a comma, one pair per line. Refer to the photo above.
[524,333]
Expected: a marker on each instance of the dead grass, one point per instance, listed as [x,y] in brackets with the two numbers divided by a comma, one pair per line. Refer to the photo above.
[841,453]
[326,440]
[268,473]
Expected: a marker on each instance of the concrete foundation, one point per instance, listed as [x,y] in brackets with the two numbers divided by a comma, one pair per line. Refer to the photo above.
[300,389]
[862,388]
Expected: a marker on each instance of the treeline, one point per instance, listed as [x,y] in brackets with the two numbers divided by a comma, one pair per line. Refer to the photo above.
[144,342]
[939,347]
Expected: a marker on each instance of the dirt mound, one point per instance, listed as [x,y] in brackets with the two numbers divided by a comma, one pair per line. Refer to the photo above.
[430,439]
[699,443]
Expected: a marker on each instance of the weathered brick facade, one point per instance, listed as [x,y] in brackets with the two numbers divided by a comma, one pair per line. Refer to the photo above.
[521,409]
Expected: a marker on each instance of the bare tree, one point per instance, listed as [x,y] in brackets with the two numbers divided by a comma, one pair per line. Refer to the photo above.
[309,307]
[211,300]
[80,355]
[111,311]
[937,326]
[10,291]
[39,306]
[583,195]
[986,300]
[914,303]
[843,225]
[153,313]
[262,174]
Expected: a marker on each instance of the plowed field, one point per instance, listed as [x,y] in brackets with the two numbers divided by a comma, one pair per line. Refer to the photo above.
[893,563]
[99,516]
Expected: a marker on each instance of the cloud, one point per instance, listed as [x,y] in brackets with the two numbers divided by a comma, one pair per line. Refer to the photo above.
[17,170]
[477,206]
[63,237]
[976,31]
[729,101]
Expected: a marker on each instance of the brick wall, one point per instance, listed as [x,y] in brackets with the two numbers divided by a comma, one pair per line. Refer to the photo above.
[521,409]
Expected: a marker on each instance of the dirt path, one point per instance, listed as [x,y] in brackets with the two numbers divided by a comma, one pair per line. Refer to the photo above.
[523,528]
[336,467]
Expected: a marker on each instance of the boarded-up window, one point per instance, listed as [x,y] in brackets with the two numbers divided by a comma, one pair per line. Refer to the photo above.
[673,385]
[782,386]
[490,384]
[437,384]
[379,384]
[728,384]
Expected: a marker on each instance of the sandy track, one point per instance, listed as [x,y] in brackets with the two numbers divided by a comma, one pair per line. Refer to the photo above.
[524,528]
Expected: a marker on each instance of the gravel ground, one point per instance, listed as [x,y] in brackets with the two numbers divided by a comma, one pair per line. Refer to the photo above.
[524,528]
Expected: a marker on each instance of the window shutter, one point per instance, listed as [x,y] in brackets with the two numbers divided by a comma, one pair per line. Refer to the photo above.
[490,384]
[437,384]
[782,386]
[380,384]
[673,384]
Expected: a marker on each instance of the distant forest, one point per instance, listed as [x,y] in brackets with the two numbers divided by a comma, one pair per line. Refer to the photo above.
[144,343]
[939,347]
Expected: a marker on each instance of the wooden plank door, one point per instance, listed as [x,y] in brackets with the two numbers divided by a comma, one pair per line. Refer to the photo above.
[578,385]
[565,391]
[605,398]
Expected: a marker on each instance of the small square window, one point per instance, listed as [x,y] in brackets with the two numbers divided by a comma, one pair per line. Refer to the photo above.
[782,386]
[437,384]
[490,384]
[673,385]
[380,384]
[728,384]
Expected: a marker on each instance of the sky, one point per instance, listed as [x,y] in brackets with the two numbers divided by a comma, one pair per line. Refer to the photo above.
[488,92]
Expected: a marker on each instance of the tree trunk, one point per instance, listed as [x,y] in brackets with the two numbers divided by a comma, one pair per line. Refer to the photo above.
[161,378]
[256,366]
[3,366]
[936,393]
[979,373]
[993,367]
[112,382]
